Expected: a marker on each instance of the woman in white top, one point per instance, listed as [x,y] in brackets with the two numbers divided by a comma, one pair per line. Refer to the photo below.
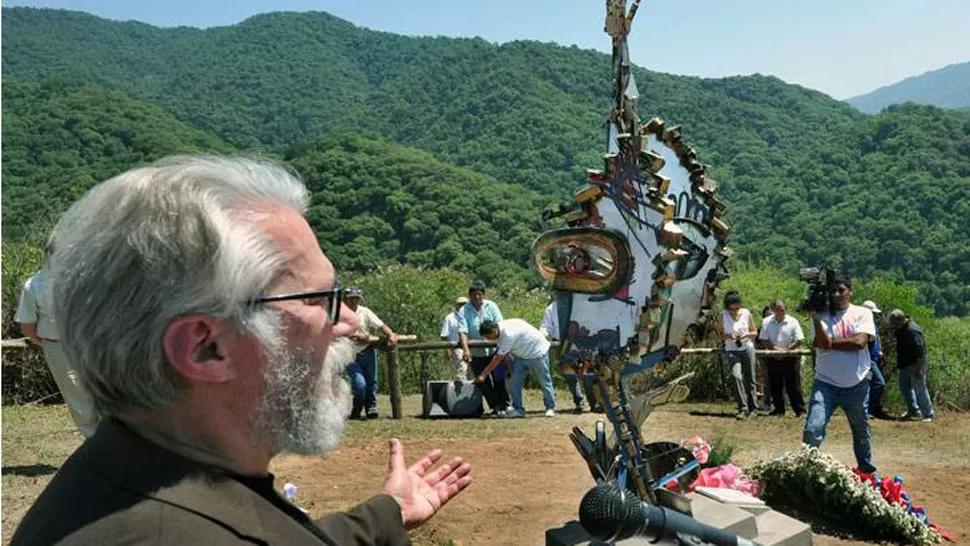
[738,332]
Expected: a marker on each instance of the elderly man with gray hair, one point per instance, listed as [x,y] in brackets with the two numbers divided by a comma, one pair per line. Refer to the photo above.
[197,308]
[782,332]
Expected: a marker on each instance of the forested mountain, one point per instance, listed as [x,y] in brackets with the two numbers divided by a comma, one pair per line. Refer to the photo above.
[376,204]
[948,87]
[523,112]
[61,138]
[808,179]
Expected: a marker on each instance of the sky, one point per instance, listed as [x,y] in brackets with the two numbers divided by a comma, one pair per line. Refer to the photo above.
[840,47]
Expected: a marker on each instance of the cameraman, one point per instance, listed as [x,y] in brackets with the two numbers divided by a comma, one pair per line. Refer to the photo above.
[842,371]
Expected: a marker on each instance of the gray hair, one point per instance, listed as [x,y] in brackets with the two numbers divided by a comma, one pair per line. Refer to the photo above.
[778,304]
[159,242]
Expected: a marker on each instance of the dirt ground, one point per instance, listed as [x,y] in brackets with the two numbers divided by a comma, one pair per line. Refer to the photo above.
[527,475]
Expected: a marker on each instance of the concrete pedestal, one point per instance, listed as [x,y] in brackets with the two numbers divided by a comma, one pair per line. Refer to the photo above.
[752,521]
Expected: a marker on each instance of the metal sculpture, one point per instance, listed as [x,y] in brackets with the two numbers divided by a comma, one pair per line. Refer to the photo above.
[635,271]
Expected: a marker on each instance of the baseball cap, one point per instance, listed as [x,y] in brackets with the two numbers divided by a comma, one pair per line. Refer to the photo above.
[897,315]
[871,305]
[353,292]
[461,300]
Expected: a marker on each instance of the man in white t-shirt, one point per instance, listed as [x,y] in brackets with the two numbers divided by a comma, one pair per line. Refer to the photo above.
[451,331]
[782,332]
[36,317]
[842,371]
[363,370]
[528,348]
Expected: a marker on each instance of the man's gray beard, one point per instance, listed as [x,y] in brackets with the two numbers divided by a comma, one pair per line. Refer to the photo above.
[298,412]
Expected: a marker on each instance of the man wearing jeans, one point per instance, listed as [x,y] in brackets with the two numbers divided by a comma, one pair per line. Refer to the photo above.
[842,371]
[877,384]
[911,361]
[363,370]
[528,349]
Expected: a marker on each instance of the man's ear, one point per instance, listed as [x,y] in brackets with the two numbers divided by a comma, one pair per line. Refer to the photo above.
[197,348]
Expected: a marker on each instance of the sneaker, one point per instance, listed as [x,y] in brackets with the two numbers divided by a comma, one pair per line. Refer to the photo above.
[512,414]
[372,413]
[881,414]
[578,409]
[927,419]
[741,416]
[909,416]
[552,412]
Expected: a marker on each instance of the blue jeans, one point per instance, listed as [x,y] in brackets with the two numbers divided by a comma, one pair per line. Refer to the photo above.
[855,401]
[363,380]
[877,385]
[914,392]
[541,367]
[572,385]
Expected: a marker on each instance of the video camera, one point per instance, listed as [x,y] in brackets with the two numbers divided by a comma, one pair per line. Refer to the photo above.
[821,289]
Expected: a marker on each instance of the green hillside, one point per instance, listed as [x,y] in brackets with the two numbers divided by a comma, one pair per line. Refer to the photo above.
[61,138]
[523,112]
[376,204]
[808,179]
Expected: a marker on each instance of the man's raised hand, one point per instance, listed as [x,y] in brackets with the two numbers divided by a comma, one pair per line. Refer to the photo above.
[420,493]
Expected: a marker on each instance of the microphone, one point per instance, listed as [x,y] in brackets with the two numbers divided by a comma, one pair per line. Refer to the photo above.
[610,513]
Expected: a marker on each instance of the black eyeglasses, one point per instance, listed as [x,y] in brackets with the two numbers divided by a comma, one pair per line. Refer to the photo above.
[331,300]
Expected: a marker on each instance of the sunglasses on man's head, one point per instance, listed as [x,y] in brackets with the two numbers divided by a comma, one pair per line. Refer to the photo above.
[331,300]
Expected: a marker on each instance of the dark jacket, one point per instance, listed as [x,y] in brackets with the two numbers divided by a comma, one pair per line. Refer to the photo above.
[909,345]
[119,488]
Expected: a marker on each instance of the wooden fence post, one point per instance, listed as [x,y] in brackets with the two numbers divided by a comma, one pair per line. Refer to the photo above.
[394,382]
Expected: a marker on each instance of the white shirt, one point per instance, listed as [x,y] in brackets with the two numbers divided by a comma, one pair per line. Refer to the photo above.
[844,368]
[451,326]
[740,326]
[781,335]
[367,323]
[521,339]
[550,322]
[36,302]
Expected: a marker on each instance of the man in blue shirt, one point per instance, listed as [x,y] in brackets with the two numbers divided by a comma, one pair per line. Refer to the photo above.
[472,315]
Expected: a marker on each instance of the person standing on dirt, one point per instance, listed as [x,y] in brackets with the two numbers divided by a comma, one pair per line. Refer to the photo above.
[877,385]
[194,301]
[842,371]
[911,362]
[472,315]
[363,370]
[738,332]
[528,349]
[451,331]
[35,315]
[782,332]
[569,364]
[762,362]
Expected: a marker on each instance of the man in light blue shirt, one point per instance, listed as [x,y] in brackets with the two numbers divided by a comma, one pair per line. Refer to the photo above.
[472,315]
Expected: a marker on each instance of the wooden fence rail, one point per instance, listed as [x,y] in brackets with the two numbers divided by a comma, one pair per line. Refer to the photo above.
[408,343]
